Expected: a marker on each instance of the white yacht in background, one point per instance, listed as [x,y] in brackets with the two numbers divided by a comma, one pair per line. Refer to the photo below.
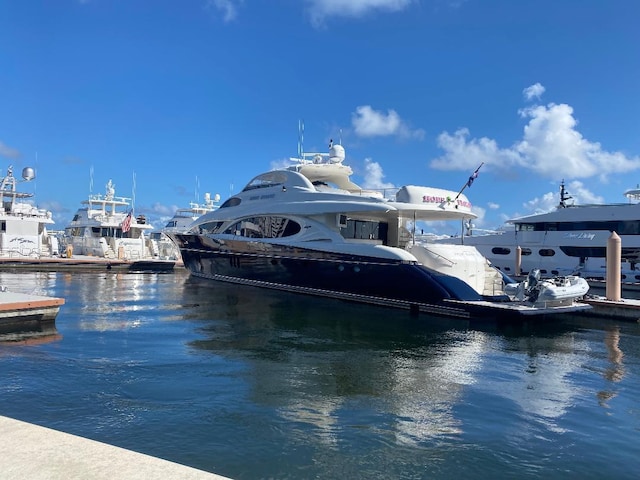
[23,227]
[105,226]
[184,217]
[180,222]
[570,239]
[309,229]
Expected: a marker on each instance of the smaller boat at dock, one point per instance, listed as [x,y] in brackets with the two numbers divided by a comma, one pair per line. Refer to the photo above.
[556,291]
[105,227]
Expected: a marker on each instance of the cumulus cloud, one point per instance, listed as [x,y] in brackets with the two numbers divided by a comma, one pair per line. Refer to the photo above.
[228,8]
[9,152]
[320,10]
[368,122]
[534,91]
[551,146]
[373,177]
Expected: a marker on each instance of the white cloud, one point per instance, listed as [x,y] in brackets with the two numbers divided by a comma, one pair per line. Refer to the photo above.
[373,177]
[493,206]
[320,10]
[228,8]
[464,154]
[9,152]
[163,211]
[368,122]
[534,91]
[551,146]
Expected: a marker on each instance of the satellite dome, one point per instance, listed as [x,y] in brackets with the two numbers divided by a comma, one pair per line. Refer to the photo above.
[336,153]
[28,173]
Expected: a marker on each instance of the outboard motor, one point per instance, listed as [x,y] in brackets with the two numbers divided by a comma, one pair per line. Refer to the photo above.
[532,280]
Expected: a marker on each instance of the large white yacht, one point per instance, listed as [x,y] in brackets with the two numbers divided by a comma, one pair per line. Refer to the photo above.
[309,229]
[23,227]
[570,239]
[105,226]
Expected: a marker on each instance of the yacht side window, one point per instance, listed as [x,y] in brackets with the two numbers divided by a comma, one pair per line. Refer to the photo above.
[547,252]
[232,202]
[525,251]
[500,251]
[211,227]
[264,227]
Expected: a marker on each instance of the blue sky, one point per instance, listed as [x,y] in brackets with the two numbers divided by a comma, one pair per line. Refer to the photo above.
[198,96]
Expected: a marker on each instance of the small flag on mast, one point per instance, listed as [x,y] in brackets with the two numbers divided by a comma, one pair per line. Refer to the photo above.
[126,223]
[472,178]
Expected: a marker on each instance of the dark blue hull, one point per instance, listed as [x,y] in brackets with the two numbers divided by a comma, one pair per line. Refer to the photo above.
[318,272]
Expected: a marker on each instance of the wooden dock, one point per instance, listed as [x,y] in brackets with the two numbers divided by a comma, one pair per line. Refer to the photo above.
[624,309]
[21,312]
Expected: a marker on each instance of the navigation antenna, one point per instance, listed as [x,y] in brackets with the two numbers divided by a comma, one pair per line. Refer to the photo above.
[133,194]
[564,196]
[300,138]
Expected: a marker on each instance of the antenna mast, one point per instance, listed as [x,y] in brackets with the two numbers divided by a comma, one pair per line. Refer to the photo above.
[133,193]
[300,138]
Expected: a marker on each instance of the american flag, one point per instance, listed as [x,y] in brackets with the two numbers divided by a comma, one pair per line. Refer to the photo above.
[126,223]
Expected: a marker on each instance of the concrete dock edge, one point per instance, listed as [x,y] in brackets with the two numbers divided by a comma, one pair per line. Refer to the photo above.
[31,452]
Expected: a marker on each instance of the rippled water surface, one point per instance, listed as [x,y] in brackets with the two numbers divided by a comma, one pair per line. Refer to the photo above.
[250,383]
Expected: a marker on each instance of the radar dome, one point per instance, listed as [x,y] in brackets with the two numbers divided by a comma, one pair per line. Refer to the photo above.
[336,153]
[28,173]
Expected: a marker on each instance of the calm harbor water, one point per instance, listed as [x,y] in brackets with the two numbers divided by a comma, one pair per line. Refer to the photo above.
[251,384]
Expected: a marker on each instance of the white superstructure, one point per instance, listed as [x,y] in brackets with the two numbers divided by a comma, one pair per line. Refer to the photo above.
[106,227]
[571,238]
[23,226]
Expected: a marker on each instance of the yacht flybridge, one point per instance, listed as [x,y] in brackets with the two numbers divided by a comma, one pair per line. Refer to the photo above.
[309,229]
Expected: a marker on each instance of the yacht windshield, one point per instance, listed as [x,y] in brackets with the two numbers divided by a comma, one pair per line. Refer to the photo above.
[269,179]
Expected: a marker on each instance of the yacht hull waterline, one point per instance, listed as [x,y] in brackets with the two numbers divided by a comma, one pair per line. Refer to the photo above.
[366,280]
[309,229]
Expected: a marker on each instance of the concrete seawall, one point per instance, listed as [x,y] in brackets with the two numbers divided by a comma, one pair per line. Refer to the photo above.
[31,452]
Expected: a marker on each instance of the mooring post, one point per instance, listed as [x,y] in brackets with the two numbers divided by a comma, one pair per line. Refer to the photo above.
[518,260]
[614,254]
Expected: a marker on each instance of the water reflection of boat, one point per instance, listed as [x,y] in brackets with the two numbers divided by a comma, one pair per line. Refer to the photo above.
[309,229]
